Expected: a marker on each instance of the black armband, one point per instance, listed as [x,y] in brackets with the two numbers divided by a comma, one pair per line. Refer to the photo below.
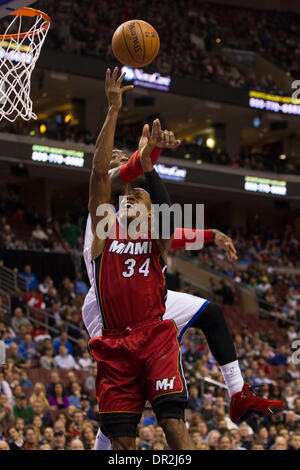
[159,195]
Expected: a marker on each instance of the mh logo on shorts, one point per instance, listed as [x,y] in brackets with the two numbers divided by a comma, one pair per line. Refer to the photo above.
[165,384]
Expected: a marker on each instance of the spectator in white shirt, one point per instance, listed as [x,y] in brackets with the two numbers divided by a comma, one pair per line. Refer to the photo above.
[39,234]
[85,362]
[64,360]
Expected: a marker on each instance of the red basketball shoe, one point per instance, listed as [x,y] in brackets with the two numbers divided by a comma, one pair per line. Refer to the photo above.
[245,404]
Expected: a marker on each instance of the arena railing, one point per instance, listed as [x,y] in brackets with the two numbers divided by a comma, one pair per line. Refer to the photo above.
[42,318]
[8,279]
[11,282]
[263,313]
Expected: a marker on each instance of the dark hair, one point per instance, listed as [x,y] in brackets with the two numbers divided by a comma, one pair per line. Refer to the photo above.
[63,389]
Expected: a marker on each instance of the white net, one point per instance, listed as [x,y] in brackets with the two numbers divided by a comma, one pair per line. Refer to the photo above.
[19,51]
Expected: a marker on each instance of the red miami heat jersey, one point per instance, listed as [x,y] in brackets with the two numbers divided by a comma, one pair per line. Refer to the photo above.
[130,281]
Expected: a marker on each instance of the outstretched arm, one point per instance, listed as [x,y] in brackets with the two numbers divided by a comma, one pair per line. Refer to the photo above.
[183,236]
[156,188]
[100,189]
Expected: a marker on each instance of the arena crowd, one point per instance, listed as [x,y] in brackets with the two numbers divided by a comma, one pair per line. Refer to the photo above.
[47,396]
[195,37]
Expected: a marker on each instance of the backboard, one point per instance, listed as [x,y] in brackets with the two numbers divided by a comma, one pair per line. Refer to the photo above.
[8,6]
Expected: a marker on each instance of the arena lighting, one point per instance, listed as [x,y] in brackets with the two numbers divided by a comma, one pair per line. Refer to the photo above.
[58,156]
[147,80]
[210,142]
[68,118]
[171,173]
[265,185]
[282,156]
[274,103]
[16,53]
[43,128]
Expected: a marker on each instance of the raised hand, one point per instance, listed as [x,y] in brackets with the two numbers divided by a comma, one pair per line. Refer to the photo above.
[160,138]
[113,89]
[226,243]
[147,144]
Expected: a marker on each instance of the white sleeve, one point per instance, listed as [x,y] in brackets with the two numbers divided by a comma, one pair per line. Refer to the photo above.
[91,314]
[7,390]
[87,253]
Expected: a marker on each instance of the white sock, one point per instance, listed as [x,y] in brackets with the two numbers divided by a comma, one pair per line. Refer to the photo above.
[233,377]
[102,442]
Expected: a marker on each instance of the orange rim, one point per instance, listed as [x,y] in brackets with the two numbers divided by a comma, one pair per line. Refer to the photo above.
[32,12]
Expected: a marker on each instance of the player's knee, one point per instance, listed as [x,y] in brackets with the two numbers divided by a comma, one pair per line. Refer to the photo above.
[123,443]
[215,312]
[171,426]
[211,315]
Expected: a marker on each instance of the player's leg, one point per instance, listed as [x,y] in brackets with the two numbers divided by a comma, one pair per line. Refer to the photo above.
[118,394]
[123,443]
[174,428]
[165,383]
[212,322]
[191,311]
[210,319]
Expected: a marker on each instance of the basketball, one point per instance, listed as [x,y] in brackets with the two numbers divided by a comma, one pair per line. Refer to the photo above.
[135,43]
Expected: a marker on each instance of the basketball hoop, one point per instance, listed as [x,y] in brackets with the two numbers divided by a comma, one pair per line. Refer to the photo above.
[19,52]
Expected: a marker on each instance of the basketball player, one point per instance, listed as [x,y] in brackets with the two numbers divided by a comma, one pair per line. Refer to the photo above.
[138,355]
[186,310]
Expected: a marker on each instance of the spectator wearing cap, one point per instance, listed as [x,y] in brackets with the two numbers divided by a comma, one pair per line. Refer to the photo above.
[22,410]
[84,403]
[59,440]
[64,360]
[28,279]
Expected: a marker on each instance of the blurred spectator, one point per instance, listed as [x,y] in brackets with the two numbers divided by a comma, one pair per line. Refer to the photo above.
[22,409]
[29,279]
[58,400]
[64,360]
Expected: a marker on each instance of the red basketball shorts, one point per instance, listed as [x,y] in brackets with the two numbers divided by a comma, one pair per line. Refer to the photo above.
[138,364]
